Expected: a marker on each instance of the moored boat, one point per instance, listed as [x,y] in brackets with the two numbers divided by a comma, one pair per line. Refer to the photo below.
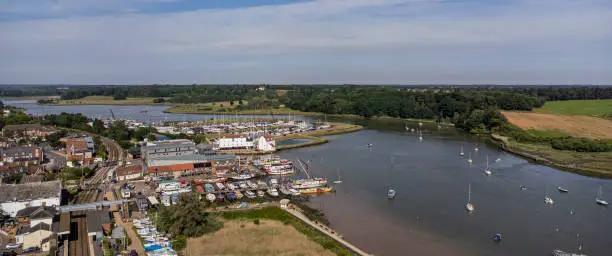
[391,193]
[599,199]
[210,197]
[562,190]
[272,192]
[315,190]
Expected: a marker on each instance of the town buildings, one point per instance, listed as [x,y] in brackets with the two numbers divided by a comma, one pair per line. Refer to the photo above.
[129,172]
[79,150]
[265,143]
[16,197]
[168,148]
[20,156]
[26,131]
[186,164]
[232,141]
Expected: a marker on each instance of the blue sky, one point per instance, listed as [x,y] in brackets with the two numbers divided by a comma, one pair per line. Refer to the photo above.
[309,41]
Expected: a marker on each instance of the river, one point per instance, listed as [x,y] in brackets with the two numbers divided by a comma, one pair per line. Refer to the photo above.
[428,215]
[140,112]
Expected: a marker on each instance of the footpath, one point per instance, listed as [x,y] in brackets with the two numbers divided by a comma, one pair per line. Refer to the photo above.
[327,231]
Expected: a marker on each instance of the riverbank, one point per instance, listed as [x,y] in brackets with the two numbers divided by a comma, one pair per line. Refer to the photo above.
[594,164]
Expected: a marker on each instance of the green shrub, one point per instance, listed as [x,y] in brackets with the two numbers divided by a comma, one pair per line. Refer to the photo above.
[256,222]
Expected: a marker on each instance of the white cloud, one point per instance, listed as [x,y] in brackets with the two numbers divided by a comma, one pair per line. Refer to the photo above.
[386,41]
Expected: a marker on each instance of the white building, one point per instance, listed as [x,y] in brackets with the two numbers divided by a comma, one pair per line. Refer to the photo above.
[265,143]
[15,197]
[232,142]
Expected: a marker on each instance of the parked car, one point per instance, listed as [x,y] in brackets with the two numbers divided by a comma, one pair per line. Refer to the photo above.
[31,249]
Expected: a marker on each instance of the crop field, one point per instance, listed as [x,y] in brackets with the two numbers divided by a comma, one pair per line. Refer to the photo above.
[578,107]
[577,126]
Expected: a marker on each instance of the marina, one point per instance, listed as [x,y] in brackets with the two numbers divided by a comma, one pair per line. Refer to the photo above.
[429,216]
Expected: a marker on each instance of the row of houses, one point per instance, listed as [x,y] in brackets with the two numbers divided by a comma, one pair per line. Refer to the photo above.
[79,149]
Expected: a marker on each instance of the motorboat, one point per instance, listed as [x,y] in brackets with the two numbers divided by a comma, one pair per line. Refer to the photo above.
[249,194]
[220,186]
[260,193]
[261,184]
[523,187]
[244,176]
[309,183]
[497,237]
[273,192]
[252,185]
[562,190]
[557,252]
[391,194]
[210,197]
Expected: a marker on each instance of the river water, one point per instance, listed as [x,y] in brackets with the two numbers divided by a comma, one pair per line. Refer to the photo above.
[140,113]
[428,215]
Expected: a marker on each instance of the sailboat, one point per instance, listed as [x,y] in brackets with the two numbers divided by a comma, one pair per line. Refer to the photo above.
[420,135]
[599,199]
[339,180]
[470,158]
[548,199]
[469,206]
[488,170]
[476,147]
[461,153]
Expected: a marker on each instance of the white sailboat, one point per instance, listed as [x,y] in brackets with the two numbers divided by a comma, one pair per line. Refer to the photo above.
[469,206]
[599,199]
[339,180]
[488,170]
[420,135]
[548,199]
[476,147]
[461,153]
[469,158]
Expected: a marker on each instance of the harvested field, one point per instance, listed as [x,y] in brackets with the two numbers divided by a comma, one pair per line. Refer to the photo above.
[578,126]
[270,237]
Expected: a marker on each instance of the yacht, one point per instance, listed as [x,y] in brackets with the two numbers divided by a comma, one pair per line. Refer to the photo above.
[244,176]
[273,192]
[249,194]
[315,190]
[548,200]
[210,197]
[252,184]
[309,183]
[260,193]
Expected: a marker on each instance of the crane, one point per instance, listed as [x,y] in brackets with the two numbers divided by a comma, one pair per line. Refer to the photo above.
[112,114]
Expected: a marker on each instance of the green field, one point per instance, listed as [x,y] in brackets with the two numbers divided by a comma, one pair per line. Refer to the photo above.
[578,107]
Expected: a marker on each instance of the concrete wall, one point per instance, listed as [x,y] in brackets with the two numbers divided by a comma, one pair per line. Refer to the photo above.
[13,207]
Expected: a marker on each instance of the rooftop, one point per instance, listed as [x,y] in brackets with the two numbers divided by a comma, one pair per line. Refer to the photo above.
[168,143]
[37,212]
[17,150]
[127,170]
[95,220]
[195,158]
[28,191]
[29,229]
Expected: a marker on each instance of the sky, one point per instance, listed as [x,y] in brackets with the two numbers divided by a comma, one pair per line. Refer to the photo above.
[306,41]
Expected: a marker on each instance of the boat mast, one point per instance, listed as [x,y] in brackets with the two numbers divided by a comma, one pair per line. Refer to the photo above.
[469,192]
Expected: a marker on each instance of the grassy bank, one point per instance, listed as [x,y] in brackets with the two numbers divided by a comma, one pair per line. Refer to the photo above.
[596,164]
[275,213]
[107,100]
[313,141]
